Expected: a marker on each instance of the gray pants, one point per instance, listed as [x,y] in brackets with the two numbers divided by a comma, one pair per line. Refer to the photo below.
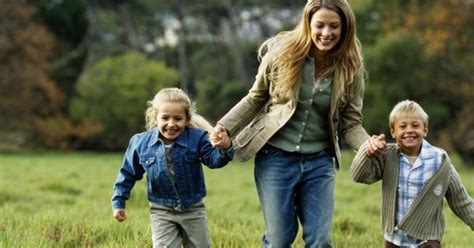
[172,227]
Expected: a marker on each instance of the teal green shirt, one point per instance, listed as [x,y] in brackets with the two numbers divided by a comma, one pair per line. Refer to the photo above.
[307,131]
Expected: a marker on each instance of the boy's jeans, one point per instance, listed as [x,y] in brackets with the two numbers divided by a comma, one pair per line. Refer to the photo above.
[295,186]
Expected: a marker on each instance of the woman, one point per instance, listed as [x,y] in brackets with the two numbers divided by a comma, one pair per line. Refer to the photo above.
[308,92]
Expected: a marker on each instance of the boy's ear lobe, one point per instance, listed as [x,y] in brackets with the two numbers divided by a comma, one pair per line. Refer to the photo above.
[392,132]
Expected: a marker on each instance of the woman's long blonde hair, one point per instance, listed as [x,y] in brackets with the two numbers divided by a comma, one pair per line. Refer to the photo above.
[283,56]
[174,95]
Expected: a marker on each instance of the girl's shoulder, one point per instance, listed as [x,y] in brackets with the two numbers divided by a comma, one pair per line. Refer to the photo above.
[195,130]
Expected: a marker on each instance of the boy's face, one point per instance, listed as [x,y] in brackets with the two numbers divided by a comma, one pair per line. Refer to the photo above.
[172,120]
[409,132]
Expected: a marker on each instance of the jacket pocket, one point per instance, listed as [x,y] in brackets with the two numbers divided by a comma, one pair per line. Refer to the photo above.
[147,160]
[249,133]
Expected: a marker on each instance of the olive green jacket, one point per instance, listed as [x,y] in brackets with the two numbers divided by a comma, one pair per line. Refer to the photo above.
[263,111]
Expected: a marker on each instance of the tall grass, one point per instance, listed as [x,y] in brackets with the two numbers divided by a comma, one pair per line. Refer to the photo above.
[63,200]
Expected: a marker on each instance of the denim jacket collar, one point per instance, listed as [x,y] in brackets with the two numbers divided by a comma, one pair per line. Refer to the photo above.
[182,139]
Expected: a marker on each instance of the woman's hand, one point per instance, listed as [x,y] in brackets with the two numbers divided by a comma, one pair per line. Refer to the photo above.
[220,138]
[375,145]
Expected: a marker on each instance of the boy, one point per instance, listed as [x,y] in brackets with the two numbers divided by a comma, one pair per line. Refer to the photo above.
[415,177]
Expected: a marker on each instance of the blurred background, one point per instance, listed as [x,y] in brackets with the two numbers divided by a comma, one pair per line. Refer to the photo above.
[76,74]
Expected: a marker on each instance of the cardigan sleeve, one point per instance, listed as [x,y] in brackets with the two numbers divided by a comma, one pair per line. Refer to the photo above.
[458,198]
[365,169]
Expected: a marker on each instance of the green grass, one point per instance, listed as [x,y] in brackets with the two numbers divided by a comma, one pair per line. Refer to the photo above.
[63,200]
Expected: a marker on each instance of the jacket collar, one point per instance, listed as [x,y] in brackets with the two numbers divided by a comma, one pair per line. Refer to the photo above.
[182,139]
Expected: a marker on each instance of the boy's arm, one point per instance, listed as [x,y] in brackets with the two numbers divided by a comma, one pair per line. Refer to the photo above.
[365,169]
[458,199]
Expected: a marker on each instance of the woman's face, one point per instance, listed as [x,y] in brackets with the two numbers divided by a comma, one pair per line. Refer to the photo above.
[326,28]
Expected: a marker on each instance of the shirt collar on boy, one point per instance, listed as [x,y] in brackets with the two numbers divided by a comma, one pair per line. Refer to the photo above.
[411,181]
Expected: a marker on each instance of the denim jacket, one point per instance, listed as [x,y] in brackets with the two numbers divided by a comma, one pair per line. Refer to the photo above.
[146,154]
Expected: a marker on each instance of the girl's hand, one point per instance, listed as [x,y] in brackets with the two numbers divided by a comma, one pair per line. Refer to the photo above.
[119,214]
[220,139]
[375,145]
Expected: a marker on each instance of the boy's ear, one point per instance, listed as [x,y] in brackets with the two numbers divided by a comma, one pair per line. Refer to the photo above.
[392,132]
[426,131]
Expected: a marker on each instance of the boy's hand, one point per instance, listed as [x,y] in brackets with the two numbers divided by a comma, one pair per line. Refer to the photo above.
[119,214]
[375,145]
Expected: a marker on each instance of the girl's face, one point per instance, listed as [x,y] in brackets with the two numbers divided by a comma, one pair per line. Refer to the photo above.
[172,120]
[409,132]
[326,28]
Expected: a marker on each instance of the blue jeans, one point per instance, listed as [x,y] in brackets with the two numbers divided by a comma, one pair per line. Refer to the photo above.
[292,187]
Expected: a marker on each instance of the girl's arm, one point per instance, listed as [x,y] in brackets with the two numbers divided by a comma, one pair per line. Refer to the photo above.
[130,172]
[214,157]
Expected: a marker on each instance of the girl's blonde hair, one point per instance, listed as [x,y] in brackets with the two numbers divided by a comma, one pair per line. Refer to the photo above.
[283,56]
[407,108]
[174,95]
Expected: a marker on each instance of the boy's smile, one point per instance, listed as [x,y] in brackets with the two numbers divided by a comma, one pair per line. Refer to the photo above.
[409,132]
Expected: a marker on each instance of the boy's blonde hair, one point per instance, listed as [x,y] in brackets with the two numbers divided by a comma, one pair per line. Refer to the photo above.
[407,108]
[174,95]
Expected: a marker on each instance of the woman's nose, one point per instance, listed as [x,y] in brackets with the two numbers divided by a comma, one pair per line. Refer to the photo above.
[326,31]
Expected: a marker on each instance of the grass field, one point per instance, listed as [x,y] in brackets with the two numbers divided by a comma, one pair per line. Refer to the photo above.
[63,200]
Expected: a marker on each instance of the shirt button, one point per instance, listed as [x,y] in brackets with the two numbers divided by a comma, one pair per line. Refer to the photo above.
[304,123]
[297,147]
[320,90]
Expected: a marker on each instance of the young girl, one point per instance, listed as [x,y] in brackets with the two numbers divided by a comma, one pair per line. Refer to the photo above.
[170,153]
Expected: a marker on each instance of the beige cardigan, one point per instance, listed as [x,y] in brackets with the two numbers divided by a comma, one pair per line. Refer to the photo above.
[262,112]
[424,220]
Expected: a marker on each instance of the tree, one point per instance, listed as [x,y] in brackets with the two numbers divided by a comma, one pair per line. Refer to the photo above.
[27,94]
[442,32]
[113,94]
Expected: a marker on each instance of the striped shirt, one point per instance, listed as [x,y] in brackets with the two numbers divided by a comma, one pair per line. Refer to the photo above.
[411,180]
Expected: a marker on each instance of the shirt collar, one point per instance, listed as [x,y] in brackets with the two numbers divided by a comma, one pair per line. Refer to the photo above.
[427,151]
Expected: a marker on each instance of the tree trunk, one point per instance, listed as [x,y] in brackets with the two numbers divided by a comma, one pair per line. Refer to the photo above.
[235,44]
[182,51]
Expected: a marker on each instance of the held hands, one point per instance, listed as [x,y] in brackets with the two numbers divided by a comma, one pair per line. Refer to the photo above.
[119,214]
[219,138]
[375,145]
